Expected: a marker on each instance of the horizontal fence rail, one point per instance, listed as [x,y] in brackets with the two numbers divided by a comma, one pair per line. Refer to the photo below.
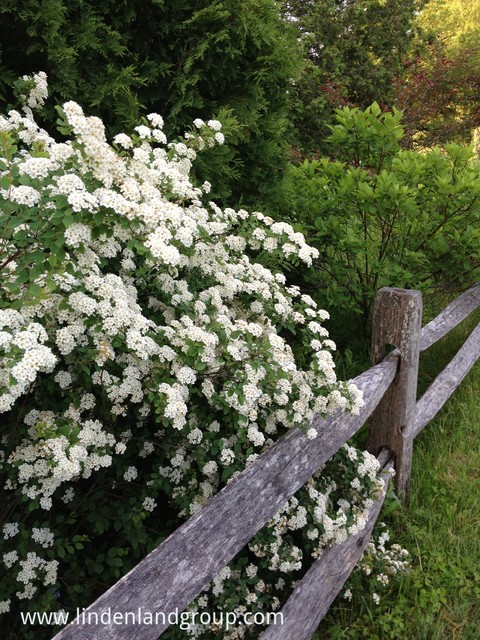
[450,317]
[174,573]
[446,382]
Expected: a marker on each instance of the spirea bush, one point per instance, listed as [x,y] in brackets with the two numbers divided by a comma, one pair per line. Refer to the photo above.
[144,362]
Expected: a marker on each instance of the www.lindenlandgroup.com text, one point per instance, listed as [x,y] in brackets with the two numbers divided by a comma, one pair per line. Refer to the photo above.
[142,617]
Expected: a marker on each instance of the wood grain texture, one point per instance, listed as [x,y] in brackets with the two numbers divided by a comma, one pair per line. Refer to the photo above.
[447,381]
[172,575]
[397,321]
[450,317]
[314,594]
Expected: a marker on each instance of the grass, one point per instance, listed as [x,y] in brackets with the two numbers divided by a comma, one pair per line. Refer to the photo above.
[440,598]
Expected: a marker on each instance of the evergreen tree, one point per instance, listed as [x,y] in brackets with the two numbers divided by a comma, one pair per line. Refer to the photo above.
[231,60]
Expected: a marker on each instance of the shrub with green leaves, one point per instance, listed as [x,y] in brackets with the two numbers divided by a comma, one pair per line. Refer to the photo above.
[144,362]
[231,60]
[354,51]
[382,216]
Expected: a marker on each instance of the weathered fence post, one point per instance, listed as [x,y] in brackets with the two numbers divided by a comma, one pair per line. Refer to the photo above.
[397,321]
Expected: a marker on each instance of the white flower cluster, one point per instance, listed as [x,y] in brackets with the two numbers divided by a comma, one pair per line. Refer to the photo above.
[130,474]
[10,529]
[176,407]
[241,586]
[323,515]
[145,308]
[43,536]
[39,93]
[27,131]
[44,464]
[384,561]
[149,504]
[380,563]
[326,516]
[23,344]
[5,606]
[30,572]
[10,558]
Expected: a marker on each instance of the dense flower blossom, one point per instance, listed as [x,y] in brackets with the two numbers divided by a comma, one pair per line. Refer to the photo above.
[39,91]
[139,330]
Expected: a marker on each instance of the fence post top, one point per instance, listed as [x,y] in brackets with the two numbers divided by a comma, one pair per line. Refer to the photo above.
[400,293]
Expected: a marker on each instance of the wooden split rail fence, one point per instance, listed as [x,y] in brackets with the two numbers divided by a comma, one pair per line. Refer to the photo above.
[172,575]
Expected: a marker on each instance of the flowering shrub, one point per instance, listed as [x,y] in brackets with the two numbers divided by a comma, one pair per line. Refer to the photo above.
[144,362]
[372,594]
[382,561]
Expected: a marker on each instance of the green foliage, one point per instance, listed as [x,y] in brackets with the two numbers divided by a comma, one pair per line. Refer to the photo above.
[456,21]
[382,216]
[354,50]
[438,89]
[436,96]
[226,60]
[369,137]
